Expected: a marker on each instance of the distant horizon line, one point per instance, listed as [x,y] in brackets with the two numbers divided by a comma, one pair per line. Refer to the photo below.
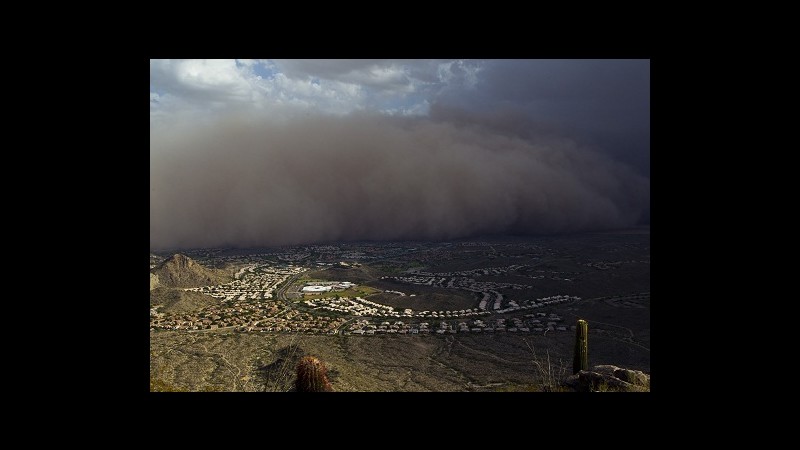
[637,229]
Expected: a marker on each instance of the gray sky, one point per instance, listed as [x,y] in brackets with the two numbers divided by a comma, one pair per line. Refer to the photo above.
[262,152]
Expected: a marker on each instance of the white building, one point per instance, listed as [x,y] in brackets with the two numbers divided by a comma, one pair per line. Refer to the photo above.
[315,289]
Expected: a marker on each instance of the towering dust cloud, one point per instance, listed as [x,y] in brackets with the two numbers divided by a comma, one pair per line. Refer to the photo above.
[363,177]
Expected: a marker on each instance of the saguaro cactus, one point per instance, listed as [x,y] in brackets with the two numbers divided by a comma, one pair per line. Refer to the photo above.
[581,357]
[312,376]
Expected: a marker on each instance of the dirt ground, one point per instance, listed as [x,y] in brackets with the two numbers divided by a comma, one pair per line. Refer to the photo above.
[258,362]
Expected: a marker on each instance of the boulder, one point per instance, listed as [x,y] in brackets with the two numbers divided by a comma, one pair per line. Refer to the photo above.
[609,378]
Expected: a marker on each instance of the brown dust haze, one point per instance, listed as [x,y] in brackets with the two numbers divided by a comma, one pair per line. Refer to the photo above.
[245,183]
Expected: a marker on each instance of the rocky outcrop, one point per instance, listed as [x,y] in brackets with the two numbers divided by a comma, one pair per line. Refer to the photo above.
[609,378]
[183,272]
[153,281]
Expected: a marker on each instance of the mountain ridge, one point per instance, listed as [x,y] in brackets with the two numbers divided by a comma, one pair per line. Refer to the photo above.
[180,271]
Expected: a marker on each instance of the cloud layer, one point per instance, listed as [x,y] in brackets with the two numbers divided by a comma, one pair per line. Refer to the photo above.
[602,103]
[248,182]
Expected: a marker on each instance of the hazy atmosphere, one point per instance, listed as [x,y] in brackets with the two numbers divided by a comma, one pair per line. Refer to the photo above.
[270,152]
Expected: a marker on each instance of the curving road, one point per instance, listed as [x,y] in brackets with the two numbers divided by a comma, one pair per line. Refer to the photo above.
[281,293]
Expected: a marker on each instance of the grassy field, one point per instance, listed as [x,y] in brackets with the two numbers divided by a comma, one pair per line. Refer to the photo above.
[358,291]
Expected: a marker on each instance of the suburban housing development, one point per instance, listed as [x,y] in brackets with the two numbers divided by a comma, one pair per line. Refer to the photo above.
[273,292]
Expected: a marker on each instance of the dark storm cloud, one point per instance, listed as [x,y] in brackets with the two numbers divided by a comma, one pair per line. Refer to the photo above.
[603,103]
[323,178]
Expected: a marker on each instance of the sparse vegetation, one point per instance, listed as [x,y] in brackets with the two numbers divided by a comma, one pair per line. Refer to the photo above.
[278,376]
[551,376]
[158,385]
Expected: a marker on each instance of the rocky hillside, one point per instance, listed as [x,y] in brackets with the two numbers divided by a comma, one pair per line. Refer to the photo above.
[181,271]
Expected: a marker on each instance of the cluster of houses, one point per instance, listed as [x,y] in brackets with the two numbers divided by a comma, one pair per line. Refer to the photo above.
[530,323]
[488,289]
[215,316]
[255,317]
[297,322]
[293,256]
[247,307]
[354,307]
[538,303]
[448,282]
[272,317]
[503,270]
[253,282]
[475,272]
[363,253]
[361,307]
[605,265]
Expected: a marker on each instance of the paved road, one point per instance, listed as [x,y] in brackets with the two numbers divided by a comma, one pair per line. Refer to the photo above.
[281,293]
